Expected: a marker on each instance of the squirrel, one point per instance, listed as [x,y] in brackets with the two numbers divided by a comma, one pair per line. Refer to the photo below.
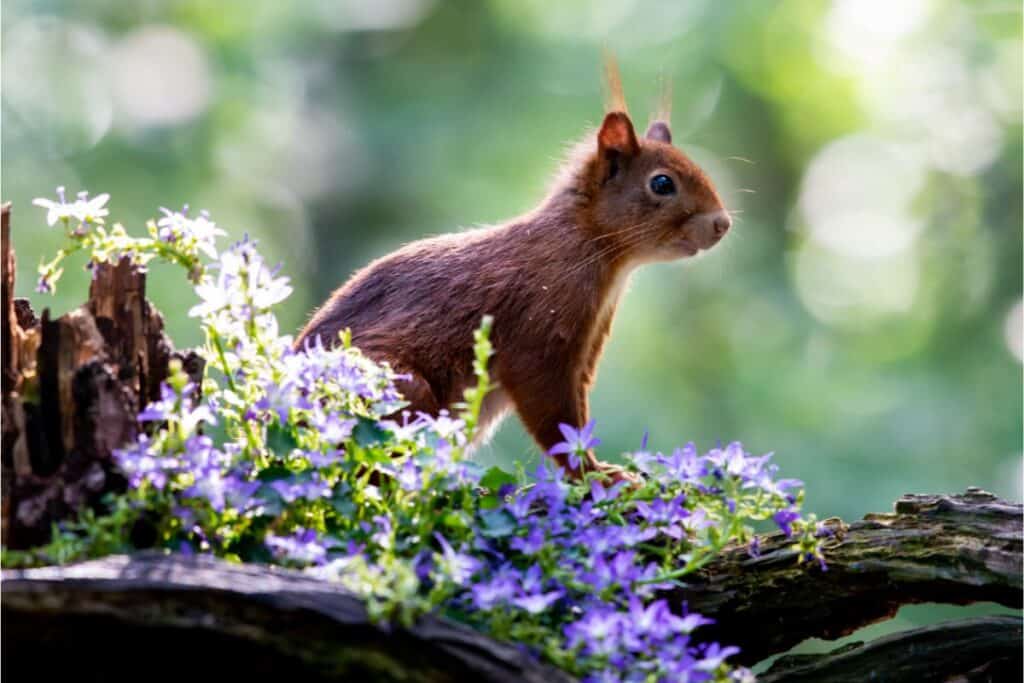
[551,279]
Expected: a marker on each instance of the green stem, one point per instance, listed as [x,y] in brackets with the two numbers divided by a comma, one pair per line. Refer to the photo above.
[218,346]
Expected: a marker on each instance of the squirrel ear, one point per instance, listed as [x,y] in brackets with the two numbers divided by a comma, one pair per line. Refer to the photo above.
[615,140]
[658,130]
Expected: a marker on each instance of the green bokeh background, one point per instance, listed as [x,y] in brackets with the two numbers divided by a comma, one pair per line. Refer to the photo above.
[862,320]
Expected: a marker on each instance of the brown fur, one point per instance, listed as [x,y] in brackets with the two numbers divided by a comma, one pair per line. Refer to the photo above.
[551,280]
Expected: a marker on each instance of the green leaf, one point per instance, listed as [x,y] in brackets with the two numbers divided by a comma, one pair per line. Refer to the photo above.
[367,433]
[275,473]
[497,523]
[341,501]
[456,519]
[495,478]
[280,440]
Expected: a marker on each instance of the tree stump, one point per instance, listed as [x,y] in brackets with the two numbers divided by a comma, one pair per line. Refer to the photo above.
[72,387]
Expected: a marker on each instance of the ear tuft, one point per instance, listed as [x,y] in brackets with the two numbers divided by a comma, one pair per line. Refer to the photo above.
[658,130]
[617,135]
[615,98]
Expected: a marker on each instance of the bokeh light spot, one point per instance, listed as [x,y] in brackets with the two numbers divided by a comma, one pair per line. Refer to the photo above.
[160,77]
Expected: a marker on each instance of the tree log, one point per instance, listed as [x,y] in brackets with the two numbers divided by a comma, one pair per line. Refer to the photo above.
[943,549]
[231,619]
[966,650]
[949,549]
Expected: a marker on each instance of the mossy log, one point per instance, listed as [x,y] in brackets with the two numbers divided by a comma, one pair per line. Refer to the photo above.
[943,549]
[269,619]
[981,650]
[71,389]
[241,620]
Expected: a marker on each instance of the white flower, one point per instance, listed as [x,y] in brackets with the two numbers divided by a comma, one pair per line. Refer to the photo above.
[199,232]
[83,210]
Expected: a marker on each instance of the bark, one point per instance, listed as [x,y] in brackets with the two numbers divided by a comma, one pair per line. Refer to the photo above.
[945,549]
[232,619]
[72,387]
[980,649]
[950,549]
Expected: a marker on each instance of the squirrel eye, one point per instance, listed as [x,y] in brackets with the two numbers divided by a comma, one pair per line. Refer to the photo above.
[662,184]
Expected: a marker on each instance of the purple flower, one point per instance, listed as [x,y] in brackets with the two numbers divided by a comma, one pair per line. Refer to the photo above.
[785,519]
[458,566]
[382,532]
[697,520]
[310,489]
[631,534]
[240,493]
[178,408]
[684,465]
[584,514]
[445,426]
[599,540]
[648,620]
[667,515]
[619,569]
[321,460]
[689,622]
[497,591]
[410,476]
[597,631]
[754,549]
[519,505]
[714,656]
[332,428]
[537,602]
[531,544]
[406,431]
[732,461]
[280,397]
[576,444]
[605,676]
[162,408]
[141,463]
[303,546]
[211,486]
[599,494]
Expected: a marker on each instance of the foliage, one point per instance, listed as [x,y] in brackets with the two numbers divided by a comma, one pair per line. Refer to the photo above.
[304,458]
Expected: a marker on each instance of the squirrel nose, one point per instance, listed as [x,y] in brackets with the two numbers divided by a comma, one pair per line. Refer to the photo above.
[721,223]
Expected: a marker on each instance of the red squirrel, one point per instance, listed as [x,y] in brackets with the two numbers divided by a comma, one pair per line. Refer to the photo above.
[551,279]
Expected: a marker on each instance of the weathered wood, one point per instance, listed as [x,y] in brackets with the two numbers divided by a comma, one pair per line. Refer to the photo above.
[944,549]
[156,606]
[8,319]
[132,327]
[72,387]
[984,649]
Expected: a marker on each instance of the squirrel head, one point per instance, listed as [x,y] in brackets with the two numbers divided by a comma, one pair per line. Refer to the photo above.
[645,198]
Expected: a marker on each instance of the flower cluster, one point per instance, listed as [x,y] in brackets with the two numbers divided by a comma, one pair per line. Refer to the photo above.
[594,559]
[175,237]
[305,458]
